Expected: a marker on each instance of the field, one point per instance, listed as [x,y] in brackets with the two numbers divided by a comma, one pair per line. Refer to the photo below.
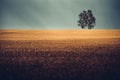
[60,55]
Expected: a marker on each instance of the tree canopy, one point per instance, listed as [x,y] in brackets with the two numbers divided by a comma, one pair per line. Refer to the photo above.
[86,19]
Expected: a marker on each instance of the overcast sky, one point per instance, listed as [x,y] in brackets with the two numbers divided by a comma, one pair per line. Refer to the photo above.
[57,14]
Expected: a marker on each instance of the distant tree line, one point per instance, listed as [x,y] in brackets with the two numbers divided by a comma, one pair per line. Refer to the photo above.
[86,19]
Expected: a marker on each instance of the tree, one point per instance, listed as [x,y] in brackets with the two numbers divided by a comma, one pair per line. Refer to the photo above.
[86,19]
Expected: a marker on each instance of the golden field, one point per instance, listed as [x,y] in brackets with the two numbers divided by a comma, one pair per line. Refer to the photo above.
[59,54]
[57,34]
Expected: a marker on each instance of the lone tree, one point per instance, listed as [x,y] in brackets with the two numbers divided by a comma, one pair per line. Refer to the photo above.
[86,19]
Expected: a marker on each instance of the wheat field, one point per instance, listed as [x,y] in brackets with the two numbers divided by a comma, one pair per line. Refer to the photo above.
[59,54]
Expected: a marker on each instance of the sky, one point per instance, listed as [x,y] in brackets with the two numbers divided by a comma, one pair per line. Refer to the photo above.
[57,14]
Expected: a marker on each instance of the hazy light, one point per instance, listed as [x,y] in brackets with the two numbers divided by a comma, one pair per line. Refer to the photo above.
[56,14]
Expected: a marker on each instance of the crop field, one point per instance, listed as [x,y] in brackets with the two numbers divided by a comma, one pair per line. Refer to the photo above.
[59,59]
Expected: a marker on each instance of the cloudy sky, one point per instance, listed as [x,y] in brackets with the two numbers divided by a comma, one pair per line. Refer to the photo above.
[57,14]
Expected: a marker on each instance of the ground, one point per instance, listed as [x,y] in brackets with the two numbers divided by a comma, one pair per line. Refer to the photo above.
[59,55]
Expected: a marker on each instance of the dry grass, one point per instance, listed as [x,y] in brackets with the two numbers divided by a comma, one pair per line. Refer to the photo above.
[57,34]
[60,59]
